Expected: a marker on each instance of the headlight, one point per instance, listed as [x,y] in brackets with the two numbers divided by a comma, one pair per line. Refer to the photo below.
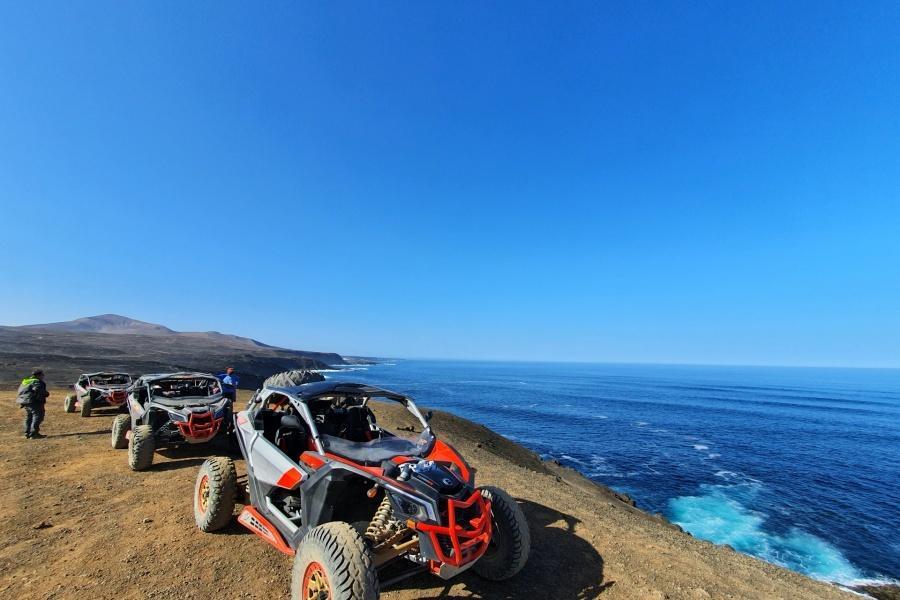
[409,508]
[176,416]
[218,408]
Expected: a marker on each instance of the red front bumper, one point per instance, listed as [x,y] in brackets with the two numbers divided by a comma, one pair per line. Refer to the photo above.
[116,398]
[467,534]
[200,427]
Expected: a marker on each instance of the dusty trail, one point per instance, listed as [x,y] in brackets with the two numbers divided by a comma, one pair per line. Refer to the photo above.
[117,534]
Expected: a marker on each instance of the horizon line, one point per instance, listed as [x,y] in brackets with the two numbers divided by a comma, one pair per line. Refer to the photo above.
[620,363]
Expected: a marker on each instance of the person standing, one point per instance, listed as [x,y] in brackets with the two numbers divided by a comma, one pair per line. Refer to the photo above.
[230,382]
[32,397]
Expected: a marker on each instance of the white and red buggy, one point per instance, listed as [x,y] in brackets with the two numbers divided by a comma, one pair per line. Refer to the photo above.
[97,390]
[358,507]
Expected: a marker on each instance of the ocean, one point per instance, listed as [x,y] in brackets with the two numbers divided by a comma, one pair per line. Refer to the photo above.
[797,466]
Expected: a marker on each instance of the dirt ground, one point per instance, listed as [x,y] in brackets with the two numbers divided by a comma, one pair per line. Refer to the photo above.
[75,522]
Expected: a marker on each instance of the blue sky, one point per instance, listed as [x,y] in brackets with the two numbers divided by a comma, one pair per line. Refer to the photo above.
[649,182]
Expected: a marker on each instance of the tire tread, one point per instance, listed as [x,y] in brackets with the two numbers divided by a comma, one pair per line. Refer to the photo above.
[222,493]
[141,447]
[341,550]
[514,557]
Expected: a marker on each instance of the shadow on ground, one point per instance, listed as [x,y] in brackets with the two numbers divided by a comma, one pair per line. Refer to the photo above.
[561,565]
[77,433]
[193,455]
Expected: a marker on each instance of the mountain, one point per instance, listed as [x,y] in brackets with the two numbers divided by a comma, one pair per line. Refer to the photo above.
[114,342]
[105,324]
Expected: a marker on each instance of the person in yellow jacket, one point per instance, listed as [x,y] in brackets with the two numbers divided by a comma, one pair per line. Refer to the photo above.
[32,397]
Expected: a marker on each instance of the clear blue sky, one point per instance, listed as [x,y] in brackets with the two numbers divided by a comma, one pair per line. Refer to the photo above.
[683,182]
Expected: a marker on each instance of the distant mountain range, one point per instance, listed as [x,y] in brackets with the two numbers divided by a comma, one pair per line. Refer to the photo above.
[114,342]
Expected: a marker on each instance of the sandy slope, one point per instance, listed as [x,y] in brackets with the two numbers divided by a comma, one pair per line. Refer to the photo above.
[118,534]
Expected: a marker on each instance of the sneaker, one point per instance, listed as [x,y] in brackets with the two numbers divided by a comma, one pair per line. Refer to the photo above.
[36,436]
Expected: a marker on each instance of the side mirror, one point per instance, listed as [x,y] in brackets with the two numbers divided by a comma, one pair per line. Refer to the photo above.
[429,415]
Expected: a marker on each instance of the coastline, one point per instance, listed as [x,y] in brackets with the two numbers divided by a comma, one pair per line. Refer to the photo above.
[744,509]
[79,500]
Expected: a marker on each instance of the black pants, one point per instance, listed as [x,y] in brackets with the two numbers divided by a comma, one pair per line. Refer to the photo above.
[230,395]
[34,416]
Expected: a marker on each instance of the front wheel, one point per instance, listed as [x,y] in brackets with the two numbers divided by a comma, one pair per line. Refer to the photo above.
[140,448]
[121,425]
[86,407]
[214,493]
[333,562]
[510,541]
[69,403]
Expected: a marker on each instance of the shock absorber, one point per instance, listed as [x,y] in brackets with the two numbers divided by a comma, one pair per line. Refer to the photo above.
[379,528]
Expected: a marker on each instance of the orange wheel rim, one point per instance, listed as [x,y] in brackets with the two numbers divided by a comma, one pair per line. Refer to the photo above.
[203,494]
[315,583]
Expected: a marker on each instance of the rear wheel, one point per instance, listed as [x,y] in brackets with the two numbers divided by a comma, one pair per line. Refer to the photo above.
[510,542]
[214,493]
[69,403]
[120,427]
[332,562]
[140,448]
[86,407]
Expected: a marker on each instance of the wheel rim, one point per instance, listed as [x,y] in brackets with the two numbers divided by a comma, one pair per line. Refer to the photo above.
[203,494]
[315,583]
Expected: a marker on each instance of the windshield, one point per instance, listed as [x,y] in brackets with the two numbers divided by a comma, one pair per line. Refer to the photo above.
[115,379]
[370,429]
[185,387]
[380,449]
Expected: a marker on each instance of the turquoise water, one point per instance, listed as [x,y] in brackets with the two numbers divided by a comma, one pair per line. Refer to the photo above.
[800,467]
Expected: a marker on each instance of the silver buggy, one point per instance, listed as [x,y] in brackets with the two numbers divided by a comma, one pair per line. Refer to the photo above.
[171,409]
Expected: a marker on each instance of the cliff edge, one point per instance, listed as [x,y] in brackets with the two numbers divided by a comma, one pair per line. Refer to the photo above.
[78,523]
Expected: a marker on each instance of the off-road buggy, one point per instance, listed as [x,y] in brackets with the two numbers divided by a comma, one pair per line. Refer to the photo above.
[169,410]
[95,390]
[357,506]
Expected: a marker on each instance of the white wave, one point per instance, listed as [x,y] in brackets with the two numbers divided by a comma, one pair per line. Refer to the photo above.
[642,423]
[867,581]
[573,459]
[713,455]
[719,515]
[700,447]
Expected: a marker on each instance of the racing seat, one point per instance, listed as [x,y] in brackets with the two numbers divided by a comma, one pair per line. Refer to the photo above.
[291,436]
[358,427]
[267,421]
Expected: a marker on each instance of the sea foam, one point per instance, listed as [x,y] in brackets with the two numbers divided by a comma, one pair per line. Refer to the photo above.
[719,515]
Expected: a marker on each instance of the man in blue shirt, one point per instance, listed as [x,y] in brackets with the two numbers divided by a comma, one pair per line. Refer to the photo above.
[230,382]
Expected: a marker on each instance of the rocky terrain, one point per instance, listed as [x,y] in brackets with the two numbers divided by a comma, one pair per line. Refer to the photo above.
[77,523]
[113,342]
